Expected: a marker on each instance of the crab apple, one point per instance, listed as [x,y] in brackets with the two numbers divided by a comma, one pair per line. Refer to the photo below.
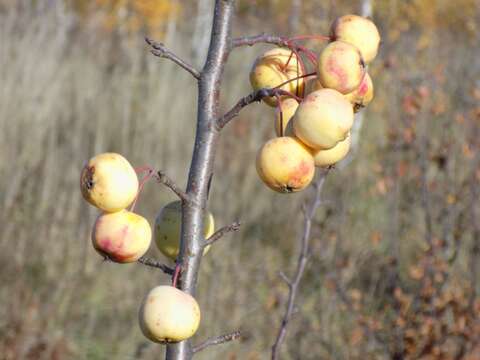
[284,114]
[168,315]
[275,67]
[324,158]
[340,67]
[323,119]
[363,95]
[168,227]
[285,164]
[109,182]
[121,236]
[358,31]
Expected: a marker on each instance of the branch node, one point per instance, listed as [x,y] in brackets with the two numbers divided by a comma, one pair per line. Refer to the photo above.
[165,180]
[217,235]
[217,341]
[160,50]
[285,278]
[155,264]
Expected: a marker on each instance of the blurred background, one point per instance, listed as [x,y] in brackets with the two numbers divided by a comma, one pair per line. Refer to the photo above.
[395,248]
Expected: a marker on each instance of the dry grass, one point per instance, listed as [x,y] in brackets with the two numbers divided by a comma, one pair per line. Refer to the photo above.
[66,95]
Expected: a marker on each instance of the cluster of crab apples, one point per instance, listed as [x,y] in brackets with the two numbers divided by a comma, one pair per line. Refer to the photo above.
[111,184]
[314,111]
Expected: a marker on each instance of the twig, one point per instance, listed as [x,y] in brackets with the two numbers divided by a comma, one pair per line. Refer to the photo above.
[160,50]
[216,341]
[294,283]
[217,235]
[255,96]
[156,264]
[259,39]
[165,180]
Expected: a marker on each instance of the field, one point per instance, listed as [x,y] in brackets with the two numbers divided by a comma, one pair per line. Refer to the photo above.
[395,252]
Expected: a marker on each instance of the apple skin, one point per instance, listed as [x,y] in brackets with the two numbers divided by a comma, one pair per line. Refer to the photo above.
[168,315]
[168,227]
[123,236]
[324,158]
[312,84]
[109,182]
[358,31]
[340,67]
[289,106]
[363,95]
[269,71]
[285,164]
[323,119]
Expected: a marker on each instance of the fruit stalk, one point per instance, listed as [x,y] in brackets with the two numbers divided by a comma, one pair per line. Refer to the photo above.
[201,168]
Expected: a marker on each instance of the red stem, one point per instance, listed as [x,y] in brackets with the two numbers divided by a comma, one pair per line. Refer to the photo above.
[151,173]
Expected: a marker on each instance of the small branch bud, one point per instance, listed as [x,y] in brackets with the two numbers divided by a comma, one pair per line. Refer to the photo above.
[160,50]
[217,235]
[217,341]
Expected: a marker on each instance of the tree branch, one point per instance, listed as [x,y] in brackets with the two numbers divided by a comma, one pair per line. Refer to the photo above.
[165,180]
[255,96]
[217,341]
[160,50]
[259,39]
[217,235]
[294,283]
[155,264]
[201,167]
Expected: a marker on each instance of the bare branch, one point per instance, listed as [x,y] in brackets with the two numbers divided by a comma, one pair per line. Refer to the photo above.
[165,180]
[155,264]
[255,96]
[217,341]
[285,278]
[309,213]
[160,50]
[259,39]
[217,235]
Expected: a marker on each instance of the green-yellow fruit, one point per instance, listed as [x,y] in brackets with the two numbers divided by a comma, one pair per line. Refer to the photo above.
[289,106]
[324,158]
[358,31]
[168,228]
[109,182]
[168,315]
[122,236]
[271,70]
[363,95]
[323,119]
[285,164]
[340,67]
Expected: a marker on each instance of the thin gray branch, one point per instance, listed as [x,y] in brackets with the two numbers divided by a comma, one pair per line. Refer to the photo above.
[155,264]
[255,96]
[217,341]
[217,235]
[293,284]
[160,50]
[259,39]
[165,180]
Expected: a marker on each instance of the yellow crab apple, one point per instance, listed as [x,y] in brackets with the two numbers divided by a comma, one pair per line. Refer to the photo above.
[340,67]
[363,95]
[275,67]
[285,164]
[324,158]
[109,182]
[283,116]
[121,236]
[358,31]
[168,315]
[323,119]
[168,227]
